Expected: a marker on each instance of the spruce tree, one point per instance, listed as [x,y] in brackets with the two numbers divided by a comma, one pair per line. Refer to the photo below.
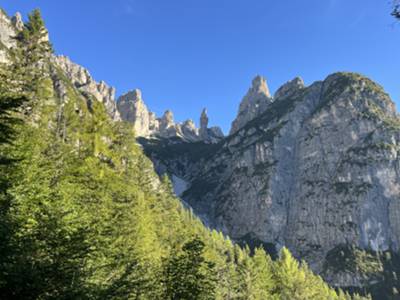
[188,276]
[261,276]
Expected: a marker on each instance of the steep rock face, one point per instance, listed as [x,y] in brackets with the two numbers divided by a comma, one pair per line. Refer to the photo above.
[290,87]
[253,104]
[203,124]
[318,169]
[132,109]
[8,30]
[79,76]
[189,130]
[17,22]
[213,134]
[82,80]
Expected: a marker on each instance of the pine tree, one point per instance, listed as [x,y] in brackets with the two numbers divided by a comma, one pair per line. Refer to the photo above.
[188,276]
[261,276]
[291,279]
[29,59]
[15,94]
[244,280]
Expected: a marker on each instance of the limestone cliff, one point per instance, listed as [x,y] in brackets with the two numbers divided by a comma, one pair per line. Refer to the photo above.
[8,30]
[133,109]
[253,104]
[78,75]
[316,170]
[82,80]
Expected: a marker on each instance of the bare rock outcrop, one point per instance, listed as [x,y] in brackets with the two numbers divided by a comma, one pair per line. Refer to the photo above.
[317,171]
[132,109]
[82,80]
[7,33]
[253,104]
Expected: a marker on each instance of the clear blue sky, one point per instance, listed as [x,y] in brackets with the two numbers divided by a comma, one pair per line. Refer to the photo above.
[187,54]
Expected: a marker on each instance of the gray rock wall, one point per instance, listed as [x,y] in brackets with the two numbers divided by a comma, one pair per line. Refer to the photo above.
[317,169]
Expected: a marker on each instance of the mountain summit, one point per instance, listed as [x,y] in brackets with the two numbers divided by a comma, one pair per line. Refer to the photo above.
[253,104]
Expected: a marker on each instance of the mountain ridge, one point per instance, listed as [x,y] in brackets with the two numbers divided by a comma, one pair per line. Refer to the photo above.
[340,136]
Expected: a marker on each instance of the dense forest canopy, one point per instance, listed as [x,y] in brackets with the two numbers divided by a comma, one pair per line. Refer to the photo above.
[83,215]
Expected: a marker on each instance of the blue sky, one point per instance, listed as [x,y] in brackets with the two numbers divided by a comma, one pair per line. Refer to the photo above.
[188,54]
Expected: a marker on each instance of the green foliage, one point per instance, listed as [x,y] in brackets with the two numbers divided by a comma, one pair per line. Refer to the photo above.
[377,270]
[341,85]
[294,280]
[188,275]
[376,113]
[261,276]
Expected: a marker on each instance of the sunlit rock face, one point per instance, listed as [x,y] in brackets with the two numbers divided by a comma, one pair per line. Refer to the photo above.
[78,75]
[317,168]
[133,109]
[253,104]
[82,79]
[8,30]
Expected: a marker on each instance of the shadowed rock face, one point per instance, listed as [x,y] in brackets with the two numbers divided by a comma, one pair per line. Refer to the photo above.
[318,168]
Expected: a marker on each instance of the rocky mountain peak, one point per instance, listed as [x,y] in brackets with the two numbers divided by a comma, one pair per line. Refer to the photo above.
[254,103]
[259,85]
[81,78]
[17,21]
[372,96]
[289,88]
[78,75]
[203,124]
[168,117]
[317,170]
[3,16]
[189,130]
[137,95]
[131,98]
[189,123]
[203,118]
[133,109]
[7,32]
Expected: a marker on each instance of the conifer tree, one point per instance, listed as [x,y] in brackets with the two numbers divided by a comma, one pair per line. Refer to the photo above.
[28,59]
[261,276]
[244,264]
[291,280]
[188,276]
